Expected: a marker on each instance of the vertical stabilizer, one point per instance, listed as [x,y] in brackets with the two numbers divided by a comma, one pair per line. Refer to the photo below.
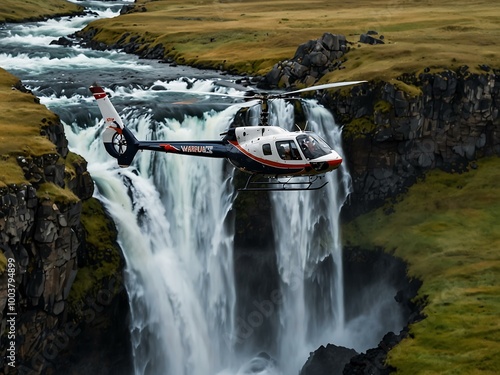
[109,114]
[119,141]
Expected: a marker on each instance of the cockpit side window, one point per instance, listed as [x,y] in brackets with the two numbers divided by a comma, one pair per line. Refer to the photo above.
[266,149]
[311,147]
[287,150]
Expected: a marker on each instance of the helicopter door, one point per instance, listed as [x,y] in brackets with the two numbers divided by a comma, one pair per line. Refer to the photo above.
[288,150]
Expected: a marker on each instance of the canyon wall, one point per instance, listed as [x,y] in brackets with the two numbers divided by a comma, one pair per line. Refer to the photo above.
[60,275]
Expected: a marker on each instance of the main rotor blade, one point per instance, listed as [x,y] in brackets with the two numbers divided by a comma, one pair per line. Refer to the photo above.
[233,85]
[248,104]
[209,93]
[325,86]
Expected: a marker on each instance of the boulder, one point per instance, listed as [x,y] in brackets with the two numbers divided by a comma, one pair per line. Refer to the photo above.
[328,360]
[368,39]
[311,61]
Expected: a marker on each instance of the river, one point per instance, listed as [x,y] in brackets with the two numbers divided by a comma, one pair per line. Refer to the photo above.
[173,213]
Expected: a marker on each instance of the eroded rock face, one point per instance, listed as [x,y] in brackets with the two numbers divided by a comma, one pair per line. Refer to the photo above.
[394,133]
[43,242]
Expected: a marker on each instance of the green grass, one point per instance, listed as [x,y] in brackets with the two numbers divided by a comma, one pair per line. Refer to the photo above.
[447,228]
[21,121]
[103,261]
[19,10]
[52,192]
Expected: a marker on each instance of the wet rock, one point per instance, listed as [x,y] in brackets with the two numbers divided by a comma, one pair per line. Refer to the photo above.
[330,359]
[62,41]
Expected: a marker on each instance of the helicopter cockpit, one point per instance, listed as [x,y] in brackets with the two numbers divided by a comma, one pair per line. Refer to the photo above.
[312,146]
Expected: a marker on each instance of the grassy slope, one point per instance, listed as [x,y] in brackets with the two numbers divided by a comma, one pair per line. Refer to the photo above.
[20,124]
[252,35]
[448,229]
[19,10]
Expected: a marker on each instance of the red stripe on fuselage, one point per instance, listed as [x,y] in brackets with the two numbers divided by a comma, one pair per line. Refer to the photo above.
[169,148]
[335,163]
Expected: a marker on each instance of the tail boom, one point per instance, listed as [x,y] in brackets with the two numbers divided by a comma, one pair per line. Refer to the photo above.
[121,143]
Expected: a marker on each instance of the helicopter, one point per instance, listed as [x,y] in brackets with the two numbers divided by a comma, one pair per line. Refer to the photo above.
[275,159]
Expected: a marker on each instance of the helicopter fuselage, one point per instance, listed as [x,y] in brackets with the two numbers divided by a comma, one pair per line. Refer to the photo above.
[265,150]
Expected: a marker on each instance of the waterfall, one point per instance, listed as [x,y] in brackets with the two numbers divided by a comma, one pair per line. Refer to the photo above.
[308,247]
[174,227]
[172,217]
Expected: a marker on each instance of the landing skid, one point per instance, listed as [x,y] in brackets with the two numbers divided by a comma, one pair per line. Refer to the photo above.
[258,183]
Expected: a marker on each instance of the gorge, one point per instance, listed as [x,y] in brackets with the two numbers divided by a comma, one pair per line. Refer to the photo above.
[385,119]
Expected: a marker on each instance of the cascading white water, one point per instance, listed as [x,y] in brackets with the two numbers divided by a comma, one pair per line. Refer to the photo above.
[171,216]
[308,247]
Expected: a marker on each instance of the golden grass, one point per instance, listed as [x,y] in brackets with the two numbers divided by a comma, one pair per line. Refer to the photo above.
[19,10]
[20,124]
[250,36]
[448,230]
[21,120]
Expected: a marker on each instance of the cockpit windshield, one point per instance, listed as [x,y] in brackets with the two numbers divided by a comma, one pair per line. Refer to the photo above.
[312,146]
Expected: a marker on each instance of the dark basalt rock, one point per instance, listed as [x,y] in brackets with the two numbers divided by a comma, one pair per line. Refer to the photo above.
[369,39]
[62,41]
[394,133]
[311,61]
[42,235]
[330,359]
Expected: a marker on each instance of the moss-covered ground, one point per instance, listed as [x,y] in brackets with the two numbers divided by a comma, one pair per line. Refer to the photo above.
[250,36]
[102,261]
[21,10]
[447,227]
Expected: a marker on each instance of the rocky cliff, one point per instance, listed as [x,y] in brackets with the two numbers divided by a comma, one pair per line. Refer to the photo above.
[60,277]
[395,131]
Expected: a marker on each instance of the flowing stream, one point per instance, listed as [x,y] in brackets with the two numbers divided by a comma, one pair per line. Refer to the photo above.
[173,212]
